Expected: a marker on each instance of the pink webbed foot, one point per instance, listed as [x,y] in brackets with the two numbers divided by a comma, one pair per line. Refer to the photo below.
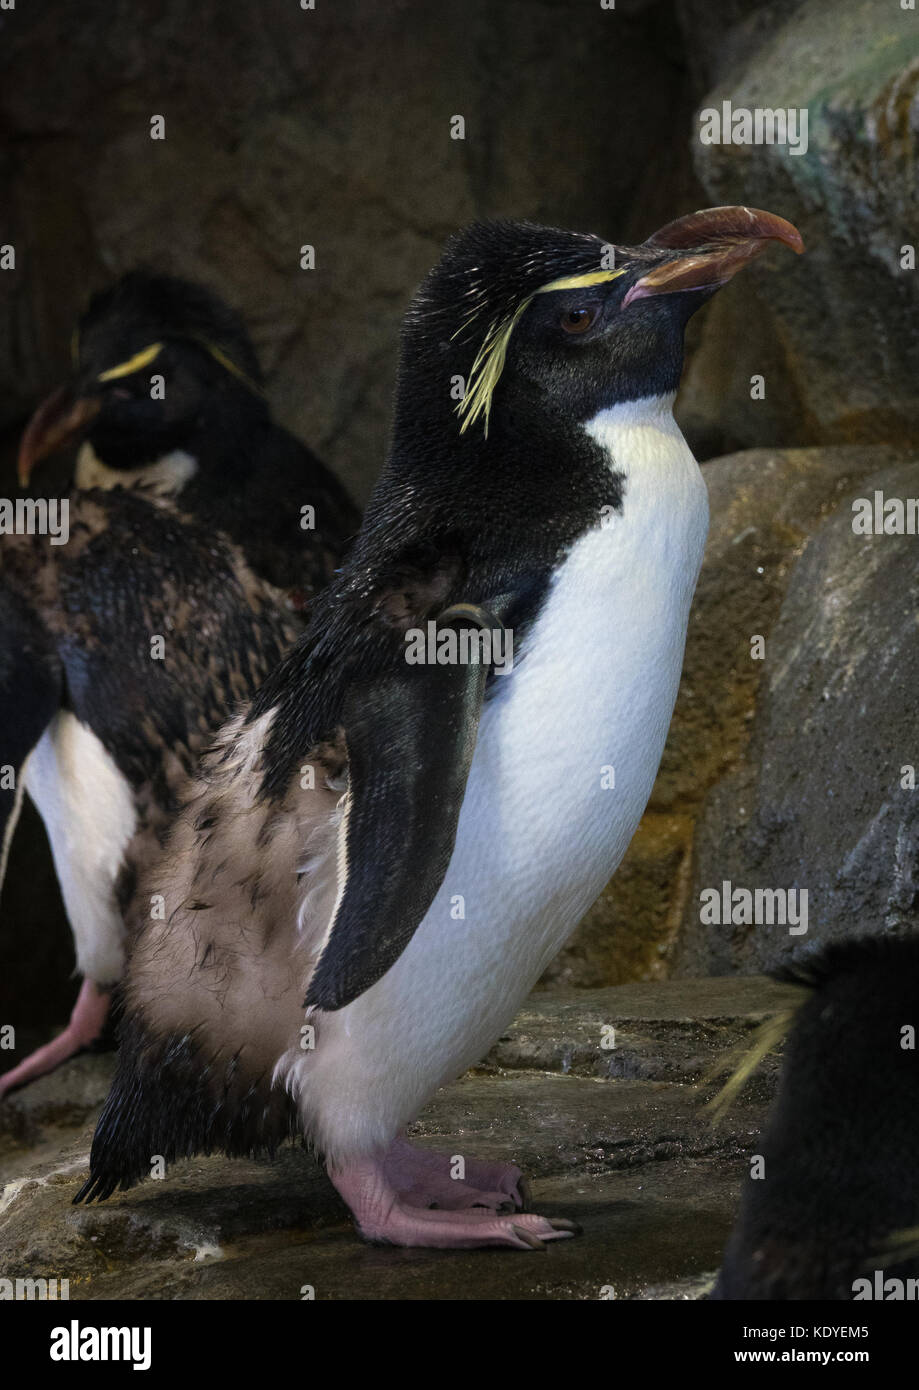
[383,1214]
[85,1026]
[424,1178]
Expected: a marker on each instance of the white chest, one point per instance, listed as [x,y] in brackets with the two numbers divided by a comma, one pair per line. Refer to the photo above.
[164,478]
[569,749]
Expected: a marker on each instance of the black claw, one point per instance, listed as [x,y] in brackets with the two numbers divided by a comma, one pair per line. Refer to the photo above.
[528,1237]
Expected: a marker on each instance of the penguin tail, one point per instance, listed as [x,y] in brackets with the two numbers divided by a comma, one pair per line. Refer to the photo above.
[168,1102]
[137,1129]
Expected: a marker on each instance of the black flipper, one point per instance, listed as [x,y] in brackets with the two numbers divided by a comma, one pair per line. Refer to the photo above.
[30,696]
[410,736]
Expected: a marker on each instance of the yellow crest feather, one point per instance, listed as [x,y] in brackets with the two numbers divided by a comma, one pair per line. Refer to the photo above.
[149,354]
[230,366]
[896,1248]
[489,360]
[133,364]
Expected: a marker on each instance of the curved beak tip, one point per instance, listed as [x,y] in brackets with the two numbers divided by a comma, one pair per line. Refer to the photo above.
[778,229]
[712,245]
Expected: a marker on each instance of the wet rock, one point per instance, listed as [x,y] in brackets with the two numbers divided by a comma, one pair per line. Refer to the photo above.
[818,802]
[765,506]
[68,1096]
[635,1161]
[659,1031]
[836,334]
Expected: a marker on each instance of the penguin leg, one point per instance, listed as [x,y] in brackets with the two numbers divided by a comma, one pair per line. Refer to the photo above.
[86,1024]
[424,1178]
[383,1215]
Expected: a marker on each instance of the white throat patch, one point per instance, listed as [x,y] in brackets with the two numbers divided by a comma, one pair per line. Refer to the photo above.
[164,478]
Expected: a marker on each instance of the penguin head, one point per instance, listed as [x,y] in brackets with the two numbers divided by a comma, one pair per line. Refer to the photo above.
[523,318]
[157,363]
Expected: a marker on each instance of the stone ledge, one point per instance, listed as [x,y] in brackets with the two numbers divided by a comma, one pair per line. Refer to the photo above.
[634,1160]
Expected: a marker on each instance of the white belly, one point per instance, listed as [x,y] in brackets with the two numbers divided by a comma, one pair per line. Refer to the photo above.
[89,816]
[539,833]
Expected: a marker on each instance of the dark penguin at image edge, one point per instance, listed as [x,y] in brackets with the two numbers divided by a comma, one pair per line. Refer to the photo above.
[124,649]
[382,854]
[835,1214]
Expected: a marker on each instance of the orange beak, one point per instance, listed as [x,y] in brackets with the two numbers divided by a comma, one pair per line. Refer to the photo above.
[57,421]
[714,244]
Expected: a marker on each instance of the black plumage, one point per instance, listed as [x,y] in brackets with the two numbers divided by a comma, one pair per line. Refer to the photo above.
[211,557]
[148,630]
[841,1185]
[135,568]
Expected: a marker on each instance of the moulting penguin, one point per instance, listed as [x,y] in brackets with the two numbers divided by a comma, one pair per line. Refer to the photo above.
[313,971]
[188,510]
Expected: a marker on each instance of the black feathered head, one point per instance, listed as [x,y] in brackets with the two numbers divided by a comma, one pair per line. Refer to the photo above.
[155,360]
[143,312]
[565,321]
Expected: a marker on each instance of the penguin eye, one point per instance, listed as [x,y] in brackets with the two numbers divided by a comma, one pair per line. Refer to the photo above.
[577,320]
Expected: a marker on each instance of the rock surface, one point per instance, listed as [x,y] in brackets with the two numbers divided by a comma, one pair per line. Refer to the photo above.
[837,334]
[612,1138]
[825,799]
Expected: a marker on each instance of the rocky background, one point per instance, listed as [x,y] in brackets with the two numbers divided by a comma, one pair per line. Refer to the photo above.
[332,127]
[792,771]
